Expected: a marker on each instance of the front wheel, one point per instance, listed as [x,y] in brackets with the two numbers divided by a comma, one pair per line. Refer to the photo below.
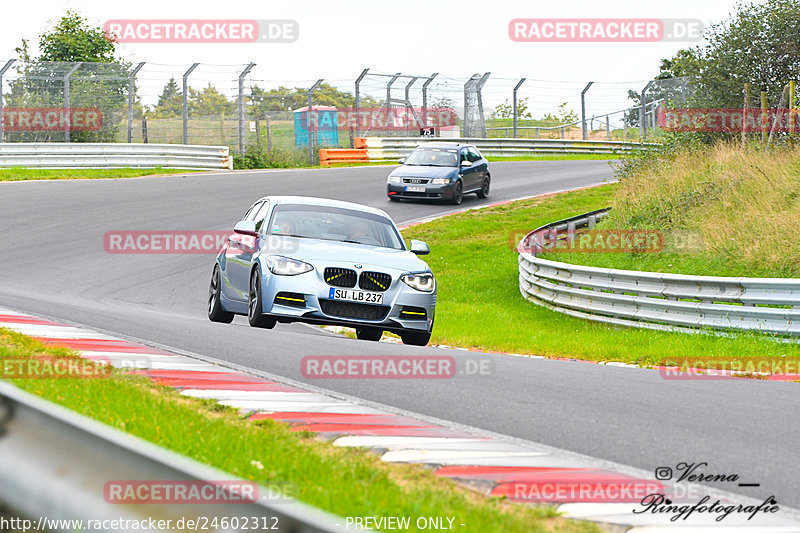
[369,334]
[458,195]
[215,311]
[255,316]
[416,338]
[484,192]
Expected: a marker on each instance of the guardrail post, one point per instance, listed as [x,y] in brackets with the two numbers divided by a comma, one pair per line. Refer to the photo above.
[358,98]
[583,110]
[185,107]
[310,121]
[244,73]
[562,133]
[3,71]
[516,87]
[608,128]
[643,111]
[535,133]
[67,76]
[425,98]
[131,88]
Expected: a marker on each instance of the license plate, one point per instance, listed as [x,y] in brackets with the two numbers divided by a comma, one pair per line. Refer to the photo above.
[415,189]
[356,296]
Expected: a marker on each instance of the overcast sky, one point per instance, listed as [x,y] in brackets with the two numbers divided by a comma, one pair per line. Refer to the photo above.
[340,38]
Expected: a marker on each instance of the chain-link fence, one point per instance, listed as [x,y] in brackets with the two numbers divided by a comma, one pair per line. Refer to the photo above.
[241,107]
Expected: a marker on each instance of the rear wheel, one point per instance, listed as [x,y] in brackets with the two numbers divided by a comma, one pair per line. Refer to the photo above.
[255,317]
[484,192]
[416,338]
[215,311]
[369,334]
[458,195]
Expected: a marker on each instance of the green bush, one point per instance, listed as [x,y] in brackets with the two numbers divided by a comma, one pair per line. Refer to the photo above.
[256,157]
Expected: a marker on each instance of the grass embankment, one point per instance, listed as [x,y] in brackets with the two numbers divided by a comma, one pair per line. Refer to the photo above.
[23,174]
[479,306]
[348,482]
[722,210]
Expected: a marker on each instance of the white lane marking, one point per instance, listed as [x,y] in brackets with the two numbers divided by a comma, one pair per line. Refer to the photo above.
[268,396]
[290,406]
[55,332]
[428,456]
[369,441]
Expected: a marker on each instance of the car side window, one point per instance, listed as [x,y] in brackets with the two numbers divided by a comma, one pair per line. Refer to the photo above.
[473,155]
[464,156]
[260,216]
[253,211]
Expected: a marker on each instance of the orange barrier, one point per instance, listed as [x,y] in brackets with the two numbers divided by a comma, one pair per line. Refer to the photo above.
[342,155]
[360,142]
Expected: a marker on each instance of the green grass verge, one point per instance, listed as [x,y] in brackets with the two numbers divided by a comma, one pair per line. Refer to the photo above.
[556,157]
[23,174]
[348,482]
[474,258]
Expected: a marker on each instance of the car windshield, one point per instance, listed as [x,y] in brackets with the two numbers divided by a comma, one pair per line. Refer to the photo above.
[433,157]
[334,224]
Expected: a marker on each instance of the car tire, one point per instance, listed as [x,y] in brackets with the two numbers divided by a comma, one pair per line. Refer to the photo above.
[369,334]
[484,192]
[416,338]
[458,194]
[215,311]
[254,304]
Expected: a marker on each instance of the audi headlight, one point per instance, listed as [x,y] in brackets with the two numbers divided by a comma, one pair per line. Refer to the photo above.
[421,282]
[395,179]
[284,266]
[440,181]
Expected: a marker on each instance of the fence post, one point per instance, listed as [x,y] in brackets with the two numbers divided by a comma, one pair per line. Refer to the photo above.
[144,129]
[425,99]
[516,87]
[66,99]
[746,106]
[583,110]
[792,103]
[3,71]
[479,88]
[130,100]
[608,128]
[185,107]
[310,121]
[244,73]
[358,97]
[764,116]
[409,109]
[643,111]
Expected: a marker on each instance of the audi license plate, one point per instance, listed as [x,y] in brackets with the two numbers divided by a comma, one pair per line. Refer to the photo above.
[356,296]
[415,189]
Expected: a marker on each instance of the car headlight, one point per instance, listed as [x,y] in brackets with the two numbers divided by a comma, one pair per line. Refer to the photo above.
[284,266]
[440,181]
[421,282]
[394,179]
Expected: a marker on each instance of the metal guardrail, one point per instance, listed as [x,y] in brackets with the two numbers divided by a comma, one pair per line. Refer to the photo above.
[654,300]
[114,155]
[392,148]
[55,463]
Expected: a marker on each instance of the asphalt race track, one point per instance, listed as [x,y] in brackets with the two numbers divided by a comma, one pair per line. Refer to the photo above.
[53,263]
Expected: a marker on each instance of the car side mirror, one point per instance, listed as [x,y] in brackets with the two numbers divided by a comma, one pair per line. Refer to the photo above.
[419,247]
[402,160]
[466,163]
[246,227]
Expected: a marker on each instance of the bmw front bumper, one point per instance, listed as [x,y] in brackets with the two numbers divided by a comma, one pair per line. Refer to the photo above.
[307,298]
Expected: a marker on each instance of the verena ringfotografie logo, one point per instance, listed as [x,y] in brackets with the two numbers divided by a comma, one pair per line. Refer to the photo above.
[202,31]
[52,119]
[604,30]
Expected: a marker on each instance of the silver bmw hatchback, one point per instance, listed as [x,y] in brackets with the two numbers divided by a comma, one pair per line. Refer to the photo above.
[302,259]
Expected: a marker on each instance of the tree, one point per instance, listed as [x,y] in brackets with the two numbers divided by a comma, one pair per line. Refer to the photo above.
[73,39]
[564,115]
[170,102]
[506,110]
[209,102]
[758,44]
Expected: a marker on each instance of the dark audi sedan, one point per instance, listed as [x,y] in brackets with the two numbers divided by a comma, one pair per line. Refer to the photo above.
[440,171]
